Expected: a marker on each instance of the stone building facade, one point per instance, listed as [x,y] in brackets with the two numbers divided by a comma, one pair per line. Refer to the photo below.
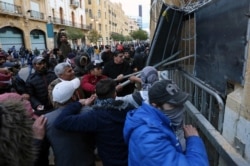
[23,23]
[36,23]
[107,17]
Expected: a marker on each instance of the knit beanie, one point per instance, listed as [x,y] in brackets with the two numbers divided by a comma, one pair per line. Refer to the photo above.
[5,80]
[17,97]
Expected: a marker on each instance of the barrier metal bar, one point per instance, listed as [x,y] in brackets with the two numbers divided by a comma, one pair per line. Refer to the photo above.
[226,151]
[178,60]
[214,94]
[129,75]
[157,65]
[200,91]
[166,60]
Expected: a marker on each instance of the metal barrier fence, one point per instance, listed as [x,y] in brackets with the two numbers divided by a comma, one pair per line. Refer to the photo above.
[205,110]
[206,100]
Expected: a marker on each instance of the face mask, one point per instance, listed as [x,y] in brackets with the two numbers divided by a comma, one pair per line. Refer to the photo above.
[175,115]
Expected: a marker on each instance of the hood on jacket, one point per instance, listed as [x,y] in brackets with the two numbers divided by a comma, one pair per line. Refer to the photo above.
[81,60]
[118,108]
[140,116]
[16,136]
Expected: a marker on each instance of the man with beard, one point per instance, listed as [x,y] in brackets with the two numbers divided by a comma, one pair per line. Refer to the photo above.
[117,69]
[37,86]
[64,46]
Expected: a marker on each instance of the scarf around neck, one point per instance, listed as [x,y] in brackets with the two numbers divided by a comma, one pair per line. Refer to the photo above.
[175,115]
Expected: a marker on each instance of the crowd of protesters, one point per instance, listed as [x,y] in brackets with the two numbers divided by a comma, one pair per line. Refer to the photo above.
[77,103]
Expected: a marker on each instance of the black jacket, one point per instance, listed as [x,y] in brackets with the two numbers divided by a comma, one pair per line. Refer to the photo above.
[37,88]
[106,56]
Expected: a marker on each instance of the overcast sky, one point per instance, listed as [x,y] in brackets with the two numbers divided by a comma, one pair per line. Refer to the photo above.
[130,8]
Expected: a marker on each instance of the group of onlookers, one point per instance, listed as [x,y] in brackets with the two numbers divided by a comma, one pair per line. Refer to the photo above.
[82,105]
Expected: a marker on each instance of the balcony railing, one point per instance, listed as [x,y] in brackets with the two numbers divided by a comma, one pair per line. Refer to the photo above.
[36,14]
[74,4]
[10,8]
[56,20]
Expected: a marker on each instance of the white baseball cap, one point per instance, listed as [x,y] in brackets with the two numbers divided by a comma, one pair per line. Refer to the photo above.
[64,90]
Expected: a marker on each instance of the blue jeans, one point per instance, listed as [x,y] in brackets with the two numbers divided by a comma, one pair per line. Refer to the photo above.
[30,68]
[22,61]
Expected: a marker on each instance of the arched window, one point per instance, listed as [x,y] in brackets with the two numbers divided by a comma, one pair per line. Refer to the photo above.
[61,15]
[73,18]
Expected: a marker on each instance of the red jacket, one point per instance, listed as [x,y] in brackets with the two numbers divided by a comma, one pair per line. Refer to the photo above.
[89,82]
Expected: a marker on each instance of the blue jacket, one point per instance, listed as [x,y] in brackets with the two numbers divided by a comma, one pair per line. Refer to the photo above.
[152,141]
[106,121]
